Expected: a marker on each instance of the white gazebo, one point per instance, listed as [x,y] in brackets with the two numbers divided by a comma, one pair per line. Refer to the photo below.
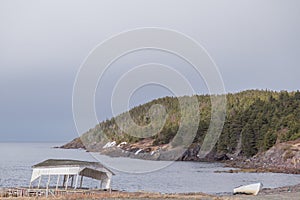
[71,169]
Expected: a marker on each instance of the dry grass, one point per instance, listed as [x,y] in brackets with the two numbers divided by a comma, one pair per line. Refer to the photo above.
[127,195]
[154,196]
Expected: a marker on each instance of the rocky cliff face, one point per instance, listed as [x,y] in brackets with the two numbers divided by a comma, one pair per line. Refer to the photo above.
[283,157]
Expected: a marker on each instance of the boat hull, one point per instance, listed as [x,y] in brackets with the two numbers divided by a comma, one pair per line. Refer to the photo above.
[252,189]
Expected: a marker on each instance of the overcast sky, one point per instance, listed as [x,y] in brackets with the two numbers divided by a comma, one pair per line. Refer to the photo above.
[254,43]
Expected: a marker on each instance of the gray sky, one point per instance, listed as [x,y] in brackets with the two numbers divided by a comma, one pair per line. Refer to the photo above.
[255,44]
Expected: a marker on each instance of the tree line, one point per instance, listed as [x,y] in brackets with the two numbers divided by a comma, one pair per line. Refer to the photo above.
[255,121]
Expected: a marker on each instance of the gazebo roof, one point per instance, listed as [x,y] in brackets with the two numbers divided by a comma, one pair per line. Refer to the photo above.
[53,163]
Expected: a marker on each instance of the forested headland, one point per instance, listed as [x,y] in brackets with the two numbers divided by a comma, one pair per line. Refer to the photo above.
[255,121]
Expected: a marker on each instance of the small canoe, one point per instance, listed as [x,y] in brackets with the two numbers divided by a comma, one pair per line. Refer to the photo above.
[251,189]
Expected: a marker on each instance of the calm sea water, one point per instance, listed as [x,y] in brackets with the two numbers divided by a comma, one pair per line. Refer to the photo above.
[16,160]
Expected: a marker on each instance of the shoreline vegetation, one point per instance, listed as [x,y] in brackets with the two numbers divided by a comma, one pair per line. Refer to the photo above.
[261,133]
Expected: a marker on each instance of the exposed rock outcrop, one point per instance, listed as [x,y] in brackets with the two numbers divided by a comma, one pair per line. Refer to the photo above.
[74,144]
[283,157]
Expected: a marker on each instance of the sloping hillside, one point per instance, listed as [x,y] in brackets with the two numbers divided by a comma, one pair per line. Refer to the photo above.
[255,122]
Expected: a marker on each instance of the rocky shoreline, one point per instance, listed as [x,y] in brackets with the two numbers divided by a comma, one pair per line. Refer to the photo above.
[281,158]
[145,150]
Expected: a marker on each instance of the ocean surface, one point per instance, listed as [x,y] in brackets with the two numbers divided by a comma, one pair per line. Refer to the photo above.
[16,160]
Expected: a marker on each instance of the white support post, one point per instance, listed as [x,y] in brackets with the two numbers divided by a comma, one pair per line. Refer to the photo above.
[100,184]
[40,178]
[76,181]
[72,181]
[108,183]
[48,181]
[47,187]
[81,180]
[68,176]
[64,181]
[57,183]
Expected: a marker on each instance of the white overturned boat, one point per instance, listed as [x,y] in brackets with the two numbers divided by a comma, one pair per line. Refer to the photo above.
[251,189]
